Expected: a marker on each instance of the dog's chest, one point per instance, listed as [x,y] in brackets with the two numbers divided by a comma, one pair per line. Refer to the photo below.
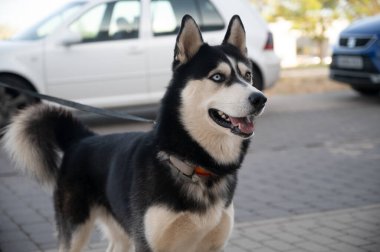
[168,231]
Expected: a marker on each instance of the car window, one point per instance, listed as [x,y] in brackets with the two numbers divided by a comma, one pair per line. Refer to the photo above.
[90,25]
[210,17]
[167,15]
[125,20]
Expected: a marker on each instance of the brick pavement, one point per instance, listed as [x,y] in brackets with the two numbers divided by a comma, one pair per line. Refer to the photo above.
[349,230]
[327,160]
[27,225]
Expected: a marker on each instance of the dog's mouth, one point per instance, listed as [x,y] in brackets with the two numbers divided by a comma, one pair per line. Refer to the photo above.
[241,126]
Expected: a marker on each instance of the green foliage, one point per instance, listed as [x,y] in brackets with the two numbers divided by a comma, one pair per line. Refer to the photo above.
[312,17]
[355,9]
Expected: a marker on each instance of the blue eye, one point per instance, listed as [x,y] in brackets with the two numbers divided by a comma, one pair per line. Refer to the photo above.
[218,77]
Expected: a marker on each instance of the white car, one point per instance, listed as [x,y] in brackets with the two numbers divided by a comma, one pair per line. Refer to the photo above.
[112,53]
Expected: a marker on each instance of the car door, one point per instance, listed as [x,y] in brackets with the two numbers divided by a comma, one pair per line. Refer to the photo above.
[166,16]
[108,67]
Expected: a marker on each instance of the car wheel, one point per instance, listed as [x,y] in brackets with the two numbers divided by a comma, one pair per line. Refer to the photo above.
[257,78]
[11,101]
[367,91]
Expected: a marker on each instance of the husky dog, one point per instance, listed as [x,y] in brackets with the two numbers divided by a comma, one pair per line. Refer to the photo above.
[169,189]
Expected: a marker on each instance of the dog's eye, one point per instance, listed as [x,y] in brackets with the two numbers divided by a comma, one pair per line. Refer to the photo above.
[248,76]
[218,77]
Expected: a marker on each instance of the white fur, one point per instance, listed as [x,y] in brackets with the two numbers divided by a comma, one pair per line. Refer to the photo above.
[119,240]
[171,231]
[223,68]
[199,96]
[198,191]
[217,141]
[80,236]
[22,148]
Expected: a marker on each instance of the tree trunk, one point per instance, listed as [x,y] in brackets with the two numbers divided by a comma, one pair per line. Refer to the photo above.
[321,49]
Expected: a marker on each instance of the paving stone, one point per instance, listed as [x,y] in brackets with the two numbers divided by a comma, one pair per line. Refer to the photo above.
[236,233]
[28,219]
[372,248]
[231,248]
[8,226]
[353,240]
[34,228]
[19,246]
[296,230]
[287,237]
[366,226]
[320,239]
[97,250]
[328,232]
[344,247]
[13,236]
[246,243]
[256,235]
[344,218]
[264,250]
[43,238]
[296,250]
[278,245]
[312,247]
[49,246]
[373,239]
[334,224]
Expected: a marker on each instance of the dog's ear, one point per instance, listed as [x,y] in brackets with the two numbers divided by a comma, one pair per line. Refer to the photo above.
[189,40]
[235,35]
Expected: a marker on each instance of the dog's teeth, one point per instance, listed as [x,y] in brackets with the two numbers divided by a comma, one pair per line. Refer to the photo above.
[220,113]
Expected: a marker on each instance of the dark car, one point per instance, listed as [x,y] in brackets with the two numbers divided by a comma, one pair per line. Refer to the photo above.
[356,57]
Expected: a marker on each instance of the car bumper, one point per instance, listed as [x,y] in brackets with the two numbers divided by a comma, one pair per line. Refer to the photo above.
[355,78]
[271,69]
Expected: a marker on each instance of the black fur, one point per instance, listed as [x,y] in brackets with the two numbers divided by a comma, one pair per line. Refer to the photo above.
[122,172]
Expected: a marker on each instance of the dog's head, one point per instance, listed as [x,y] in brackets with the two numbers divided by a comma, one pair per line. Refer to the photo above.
[217,101]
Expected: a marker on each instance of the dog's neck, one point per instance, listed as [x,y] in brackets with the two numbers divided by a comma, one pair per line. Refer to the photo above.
[174,139]
[184,168]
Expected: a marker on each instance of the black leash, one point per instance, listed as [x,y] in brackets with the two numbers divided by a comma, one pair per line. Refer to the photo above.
[79,106]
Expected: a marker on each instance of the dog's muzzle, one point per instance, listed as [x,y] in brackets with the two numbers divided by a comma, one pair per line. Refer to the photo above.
[257,100]
[243,125]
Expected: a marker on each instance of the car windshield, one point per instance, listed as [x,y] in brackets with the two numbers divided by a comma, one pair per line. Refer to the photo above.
[49,24]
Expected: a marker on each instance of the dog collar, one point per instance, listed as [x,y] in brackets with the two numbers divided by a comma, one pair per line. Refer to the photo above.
[187,169]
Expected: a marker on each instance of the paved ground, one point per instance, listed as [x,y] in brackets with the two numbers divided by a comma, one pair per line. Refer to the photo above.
[311,182]
[305,80]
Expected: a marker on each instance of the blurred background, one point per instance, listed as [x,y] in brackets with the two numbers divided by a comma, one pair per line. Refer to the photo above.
[311,179]
[28,13]
[304,31]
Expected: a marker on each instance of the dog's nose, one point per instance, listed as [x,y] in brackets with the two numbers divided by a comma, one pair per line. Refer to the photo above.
[257,100]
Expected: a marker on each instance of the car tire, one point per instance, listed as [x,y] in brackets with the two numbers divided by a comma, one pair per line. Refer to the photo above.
[11,101]
[257,78]
[367,91]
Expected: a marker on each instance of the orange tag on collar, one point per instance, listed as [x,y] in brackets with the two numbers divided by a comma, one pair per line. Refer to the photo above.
[201,171]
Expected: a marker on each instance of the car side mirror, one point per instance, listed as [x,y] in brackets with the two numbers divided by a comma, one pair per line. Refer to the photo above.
[69,38]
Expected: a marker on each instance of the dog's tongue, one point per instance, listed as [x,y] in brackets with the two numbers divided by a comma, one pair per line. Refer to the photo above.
[244,123]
